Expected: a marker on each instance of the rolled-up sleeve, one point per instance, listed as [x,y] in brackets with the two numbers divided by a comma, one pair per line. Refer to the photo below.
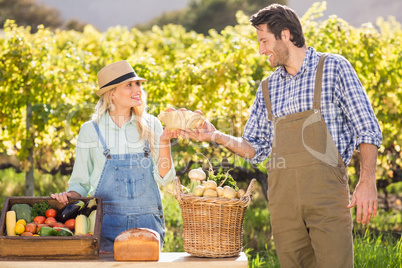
[357,107]
[167,178]
[259,130]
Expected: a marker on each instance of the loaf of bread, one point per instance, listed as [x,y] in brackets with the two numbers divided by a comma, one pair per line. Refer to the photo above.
[181,119]
[137,244]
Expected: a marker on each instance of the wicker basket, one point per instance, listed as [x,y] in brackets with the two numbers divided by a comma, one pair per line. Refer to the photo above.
[213,227]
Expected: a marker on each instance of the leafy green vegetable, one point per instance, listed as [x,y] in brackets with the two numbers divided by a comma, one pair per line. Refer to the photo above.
[23,211]
[39,209]
[221,177]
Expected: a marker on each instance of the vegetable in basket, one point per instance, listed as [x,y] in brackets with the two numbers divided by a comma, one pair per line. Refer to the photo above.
[39,209]
[229,192]
[22,211]
[70,211]
[210,188]
[197,174]
[11,220]
[227,180]
[198,190]
[47,231]
[89,207]
[81,225]
[219,185]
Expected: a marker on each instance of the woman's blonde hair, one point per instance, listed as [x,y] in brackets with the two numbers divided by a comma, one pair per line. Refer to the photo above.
[142,118]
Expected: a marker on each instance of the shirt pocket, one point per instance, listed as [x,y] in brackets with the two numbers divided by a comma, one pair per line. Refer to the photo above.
[331,112]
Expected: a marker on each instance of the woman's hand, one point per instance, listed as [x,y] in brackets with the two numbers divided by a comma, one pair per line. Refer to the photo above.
[63,197]
[167,135]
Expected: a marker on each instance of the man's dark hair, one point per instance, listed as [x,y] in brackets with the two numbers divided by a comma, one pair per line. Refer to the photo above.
[279,18]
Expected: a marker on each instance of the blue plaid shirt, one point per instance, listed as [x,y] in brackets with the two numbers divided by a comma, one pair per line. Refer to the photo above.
[345,107]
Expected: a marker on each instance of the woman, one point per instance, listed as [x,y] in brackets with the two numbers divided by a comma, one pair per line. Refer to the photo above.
[121,156]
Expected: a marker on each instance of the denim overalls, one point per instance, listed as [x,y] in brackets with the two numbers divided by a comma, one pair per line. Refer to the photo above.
[130,195]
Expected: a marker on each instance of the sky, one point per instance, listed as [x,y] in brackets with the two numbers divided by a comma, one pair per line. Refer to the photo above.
[105,13]
[355,12]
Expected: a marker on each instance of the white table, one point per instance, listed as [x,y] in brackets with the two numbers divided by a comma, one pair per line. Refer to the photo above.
[168,260]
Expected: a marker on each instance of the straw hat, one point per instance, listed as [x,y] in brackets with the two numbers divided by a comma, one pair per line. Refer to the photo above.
[114,74]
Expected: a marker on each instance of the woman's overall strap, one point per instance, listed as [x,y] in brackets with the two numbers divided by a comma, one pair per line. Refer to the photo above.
[146,149]
[106,151]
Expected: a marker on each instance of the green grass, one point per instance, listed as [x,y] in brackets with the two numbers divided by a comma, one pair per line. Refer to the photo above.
[173,221]
[381,250]
[377,244]
[370,251]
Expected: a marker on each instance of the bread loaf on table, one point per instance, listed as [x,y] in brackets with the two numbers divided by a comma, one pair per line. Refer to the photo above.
[137,244]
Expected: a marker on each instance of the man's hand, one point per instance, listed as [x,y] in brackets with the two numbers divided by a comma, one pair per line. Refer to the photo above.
[205,132]
[365,199]
[365,194]
[208,132]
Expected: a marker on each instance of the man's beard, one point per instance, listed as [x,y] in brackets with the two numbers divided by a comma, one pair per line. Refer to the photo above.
[281,54]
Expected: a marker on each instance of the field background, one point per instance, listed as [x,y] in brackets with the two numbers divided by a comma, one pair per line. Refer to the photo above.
[48,84]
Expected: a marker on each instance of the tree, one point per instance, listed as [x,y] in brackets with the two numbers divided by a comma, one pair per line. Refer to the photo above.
[40,76]
[30,13]
[75,24]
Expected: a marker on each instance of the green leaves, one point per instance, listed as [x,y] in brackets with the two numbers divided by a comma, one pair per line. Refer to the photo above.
[218,74]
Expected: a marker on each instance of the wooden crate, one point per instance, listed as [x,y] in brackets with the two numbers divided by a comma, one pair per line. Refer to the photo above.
[50,247]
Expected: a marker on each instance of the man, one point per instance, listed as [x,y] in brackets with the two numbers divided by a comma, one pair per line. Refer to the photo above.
[311,128]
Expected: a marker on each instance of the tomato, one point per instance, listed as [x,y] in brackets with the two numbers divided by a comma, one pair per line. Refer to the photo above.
[59,224]
[39,219]
[51,213]
[27,234]
[50,221]
[31,227]
[70,224]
